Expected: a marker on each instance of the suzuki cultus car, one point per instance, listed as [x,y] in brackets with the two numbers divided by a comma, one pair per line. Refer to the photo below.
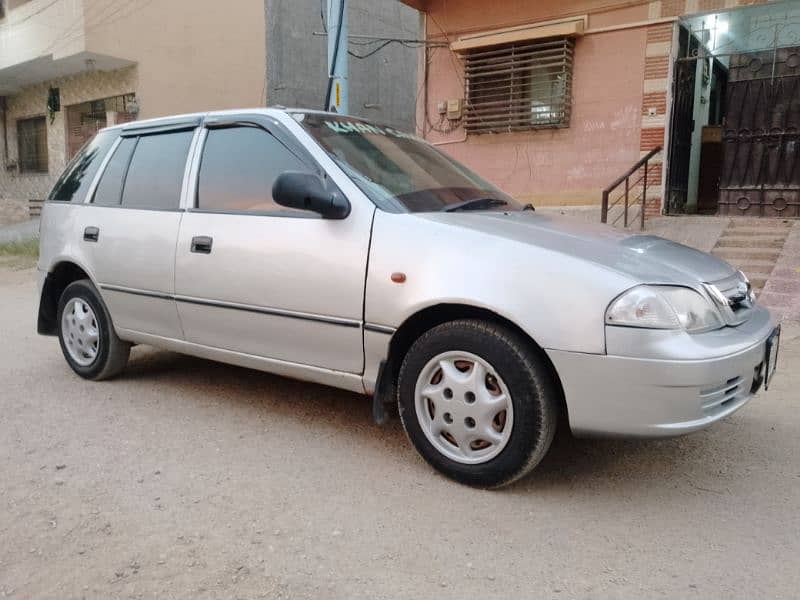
[339,251]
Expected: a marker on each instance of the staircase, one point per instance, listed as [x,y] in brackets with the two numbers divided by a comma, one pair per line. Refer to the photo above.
[753,245]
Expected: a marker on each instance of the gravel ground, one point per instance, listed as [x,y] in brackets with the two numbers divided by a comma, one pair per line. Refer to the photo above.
[190,479]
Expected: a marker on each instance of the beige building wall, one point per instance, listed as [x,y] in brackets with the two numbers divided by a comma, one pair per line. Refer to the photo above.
[187,55]
[192,55]
[39,28]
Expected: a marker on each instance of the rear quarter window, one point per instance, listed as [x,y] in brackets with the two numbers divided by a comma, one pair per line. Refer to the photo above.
[109,189]
[77,177]
[155,174]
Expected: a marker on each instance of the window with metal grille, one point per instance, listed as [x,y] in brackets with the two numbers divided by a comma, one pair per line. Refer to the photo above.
[32,140]
[525,85]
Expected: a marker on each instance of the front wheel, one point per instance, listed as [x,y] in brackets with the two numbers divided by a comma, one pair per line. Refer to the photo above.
[88,340]
[478,402]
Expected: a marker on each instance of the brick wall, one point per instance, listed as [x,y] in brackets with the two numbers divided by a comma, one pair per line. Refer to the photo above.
[17,188]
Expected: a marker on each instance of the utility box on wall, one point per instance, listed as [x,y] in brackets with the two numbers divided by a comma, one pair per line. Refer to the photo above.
[455,108]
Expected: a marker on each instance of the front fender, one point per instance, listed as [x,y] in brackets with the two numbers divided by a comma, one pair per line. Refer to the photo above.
[558,300]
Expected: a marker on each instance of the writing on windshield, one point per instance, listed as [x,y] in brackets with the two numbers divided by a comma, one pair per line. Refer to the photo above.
[398,171]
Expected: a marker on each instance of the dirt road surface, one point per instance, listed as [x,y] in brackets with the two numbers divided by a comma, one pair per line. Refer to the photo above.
[190,479]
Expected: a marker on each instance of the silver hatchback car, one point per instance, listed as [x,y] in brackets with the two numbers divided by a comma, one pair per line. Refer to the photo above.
[335,250]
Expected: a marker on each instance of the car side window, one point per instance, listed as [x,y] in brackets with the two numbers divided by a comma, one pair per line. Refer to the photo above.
[155,174]
[109,189]
[77,177]
[238,167]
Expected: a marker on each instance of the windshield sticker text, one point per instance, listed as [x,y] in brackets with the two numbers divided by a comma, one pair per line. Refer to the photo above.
[357,127]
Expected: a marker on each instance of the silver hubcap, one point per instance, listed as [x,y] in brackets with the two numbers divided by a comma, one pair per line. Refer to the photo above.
[464,407]
[80,333]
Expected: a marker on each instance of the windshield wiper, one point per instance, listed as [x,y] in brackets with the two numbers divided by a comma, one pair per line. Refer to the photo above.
[474,204]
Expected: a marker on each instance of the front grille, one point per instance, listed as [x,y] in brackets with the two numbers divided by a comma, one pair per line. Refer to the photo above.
[716,398]
[734,297]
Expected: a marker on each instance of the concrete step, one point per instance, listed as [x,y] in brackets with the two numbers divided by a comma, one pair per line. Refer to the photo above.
[756,270]
[755,265]
[753,241]
[757,279]
[755,231]
[765,223]
[770,254]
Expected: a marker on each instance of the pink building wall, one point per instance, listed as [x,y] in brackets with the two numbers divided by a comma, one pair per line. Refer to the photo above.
[621,97]
[550,166]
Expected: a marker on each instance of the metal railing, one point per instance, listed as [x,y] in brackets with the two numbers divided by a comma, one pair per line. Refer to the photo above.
[627,197]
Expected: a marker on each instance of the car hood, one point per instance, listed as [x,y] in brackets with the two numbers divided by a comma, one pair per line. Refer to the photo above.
[646,258]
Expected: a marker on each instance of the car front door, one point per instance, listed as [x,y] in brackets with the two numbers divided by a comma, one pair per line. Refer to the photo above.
[129,227]
[257,278]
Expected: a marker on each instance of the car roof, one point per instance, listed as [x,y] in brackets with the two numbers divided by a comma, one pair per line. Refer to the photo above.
[199,116]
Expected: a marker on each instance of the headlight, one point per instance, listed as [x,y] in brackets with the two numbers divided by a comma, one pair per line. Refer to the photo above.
[663,307]
[751,294]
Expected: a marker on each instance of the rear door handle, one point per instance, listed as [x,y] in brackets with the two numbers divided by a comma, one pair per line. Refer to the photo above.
[91,234]
[201,244]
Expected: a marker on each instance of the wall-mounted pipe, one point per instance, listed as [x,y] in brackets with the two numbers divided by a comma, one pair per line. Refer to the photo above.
[4,108]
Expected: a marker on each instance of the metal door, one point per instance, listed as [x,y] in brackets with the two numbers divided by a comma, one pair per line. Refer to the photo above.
[761,137]
[681,124]
[288,288]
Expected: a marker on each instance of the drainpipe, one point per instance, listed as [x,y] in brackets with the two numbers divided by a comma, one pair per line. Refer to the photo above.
[4,108]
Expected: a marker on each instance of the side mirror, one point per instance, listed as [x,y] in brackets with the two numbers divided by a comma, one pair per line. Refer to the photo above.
[304,191]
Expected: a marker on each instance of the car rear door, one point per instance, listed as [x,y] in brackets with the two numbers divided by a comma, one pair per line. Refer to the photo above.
[260,279]
[130,224]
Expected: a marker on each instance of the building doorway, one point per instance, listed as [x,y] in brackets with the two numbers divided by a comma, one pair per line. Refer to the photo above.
[84,120]
[735,124]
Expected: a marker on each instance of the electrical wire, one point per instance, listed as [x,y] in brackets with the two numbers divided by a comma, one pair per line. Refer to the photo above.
[33,14]
[78,28]
[371,52]
[383,44]
[438,127]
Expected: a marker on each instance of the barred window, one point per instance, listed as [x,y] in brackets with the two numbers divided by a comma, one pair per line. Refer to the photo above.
[519,86]
[32,144]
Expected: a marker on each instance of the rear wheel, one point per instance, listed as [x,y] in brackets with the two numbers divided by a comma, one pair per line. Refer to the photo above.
[478,402]
[87,337]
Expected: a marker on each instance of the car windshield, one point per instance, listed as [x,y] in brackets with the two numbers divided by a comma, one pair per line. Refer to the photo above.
[400,172]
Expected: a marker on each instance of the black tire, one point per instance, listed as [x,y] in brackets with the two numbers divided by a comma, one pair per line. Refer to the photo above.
[112,353]
[530,381]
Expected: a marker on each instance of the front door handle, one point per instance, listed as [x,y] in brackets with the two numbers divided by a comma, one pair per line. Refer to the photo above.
[201,244]
[91,234]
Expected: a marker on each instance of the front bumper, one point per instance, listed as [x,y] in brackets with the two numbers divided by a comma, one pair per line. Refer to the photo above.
[651,392]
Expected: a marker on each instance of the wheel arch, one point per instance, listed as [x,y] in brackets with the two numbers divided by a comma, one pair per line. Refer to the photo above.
[58,278]
[431,316]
